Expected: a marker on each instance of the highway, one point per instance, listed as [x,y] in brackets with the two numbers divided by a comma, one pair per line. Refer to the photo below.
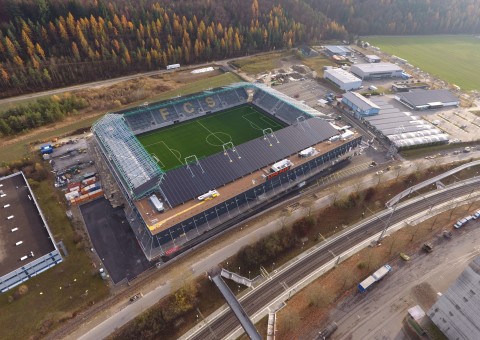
[261,297]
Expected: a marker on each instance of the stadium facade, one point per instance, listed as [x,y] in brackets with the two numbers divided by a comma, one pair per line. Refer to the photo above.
[240,175]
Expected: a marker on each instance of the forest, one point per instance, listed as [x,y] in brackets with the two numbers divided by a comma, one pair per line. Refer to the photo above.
[403,17]
[53,43]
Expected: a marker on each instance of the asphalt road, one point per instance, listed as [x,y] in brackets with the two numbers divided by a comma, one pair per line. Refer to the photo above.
[264,294]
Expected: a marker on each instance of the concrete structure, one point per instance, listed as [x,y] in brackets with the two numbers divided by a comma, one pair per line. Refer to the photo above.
[457,311]
[236,307]
[427,99]
[343,79]
[359,105]
[343,51]
[26,243]
[376,70]
[372,58]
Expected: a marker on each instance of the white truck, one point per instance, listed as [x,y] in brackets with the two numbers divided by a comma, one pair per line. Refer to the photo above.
[157,204]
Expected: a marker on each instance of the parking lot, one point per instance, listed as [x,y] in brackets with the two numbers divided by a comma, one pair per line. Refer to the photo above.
[459,123]
[113,240]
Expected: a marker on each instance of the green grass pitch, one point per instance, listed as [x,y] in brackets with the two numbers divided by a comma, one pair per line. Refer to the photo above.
[205,136]
[454,58]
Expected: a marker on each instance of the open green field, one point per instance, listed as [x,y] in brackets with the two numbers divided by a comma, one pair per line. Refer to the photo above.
[205,136]
[455,59]
[260,63]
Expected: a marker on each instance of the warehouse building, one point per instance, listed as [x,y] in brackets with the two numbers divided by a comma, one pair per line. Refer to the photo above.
[457,311]
[26,243]
[343,79]
[359,105]
[343,51]
[403,129]
[376,70]
[427,99]
[372,58]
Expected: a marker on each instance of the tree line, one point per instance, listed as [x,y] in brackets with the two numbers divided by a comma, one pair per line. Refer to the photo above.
[51,43]
[43,111]
[392,17]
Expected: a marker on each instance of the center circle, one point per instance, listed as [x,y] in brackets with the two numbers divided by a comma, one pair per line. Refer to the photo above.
[218,138]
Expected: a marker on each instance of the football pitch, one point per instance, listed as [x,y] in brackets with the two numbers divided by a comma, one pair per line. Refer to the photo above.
[205,136]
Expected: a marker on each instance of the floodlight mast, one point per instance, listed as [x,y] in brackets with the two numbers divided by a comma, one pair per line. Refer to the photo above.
[267,134]
[229,146]
[192,159]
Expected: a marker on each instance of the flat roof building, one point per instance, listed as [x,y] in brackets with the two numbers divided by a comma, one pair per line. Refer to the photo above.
[427,99]
[457,311]
[345,80]
[359,105]
[376,70]
[403,129]
[343,51]
[26,243]
[372,58]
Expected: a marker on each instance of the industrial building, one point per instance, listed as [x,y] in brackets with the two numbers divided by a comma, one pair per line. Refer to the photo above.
[457,311]
[342,78]
[403,129]
[359,105]
[376,70]
[343,51]
[427,99]
[372,58]
[26,243]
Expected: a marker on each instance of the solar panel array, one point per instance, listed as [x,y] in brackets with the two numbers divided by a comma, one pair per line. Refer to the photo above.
[183,184]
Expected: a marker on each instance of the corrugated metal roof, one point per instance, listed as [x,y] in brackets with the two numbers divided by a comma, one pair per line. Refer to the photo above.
[360,101]
[342,75]
[426,97]
[457,312]
[375,67]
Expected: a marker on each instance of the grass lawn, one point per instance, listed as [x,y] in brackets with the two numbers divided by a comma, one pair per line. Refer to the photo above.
[455,59]
[260,63]
[205,136]
[58,292]
[317,64]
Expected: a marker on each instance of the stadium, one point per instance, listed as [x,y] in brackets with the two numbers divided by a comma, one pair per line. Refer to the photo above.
[189,165]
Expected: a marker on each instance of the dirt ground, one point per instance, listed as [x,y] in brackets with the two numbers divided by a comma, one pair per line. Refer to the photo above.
[378,314]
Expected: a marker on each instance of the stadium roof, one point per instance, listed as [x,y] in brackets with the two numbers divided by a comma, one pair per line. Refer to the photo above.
[360,101]
[179,185]
[335,49]
[342,75]
[138,170]
[417,98]
[457,311]
[376,67]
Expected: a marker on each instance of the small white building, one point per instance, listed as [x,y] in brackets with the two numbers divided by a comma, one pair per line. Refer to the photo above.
[372,58]
[343,79]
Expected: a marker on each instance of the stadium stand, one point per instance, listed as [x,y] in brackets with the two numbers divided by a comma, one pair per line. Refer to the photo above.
[165,115]
[229,98]
[241,94]
[141,121]
[210,103]
[288,113]
[267,102]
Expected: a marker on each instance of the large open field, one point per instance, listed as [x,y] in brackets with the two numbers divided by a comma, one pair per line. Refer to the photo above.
[455,59]
[205,136]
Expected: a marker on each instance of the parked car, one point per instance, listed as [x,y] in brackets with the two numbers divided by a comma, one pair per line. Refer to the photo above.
[447,234]
[460,223]
[136,297]
[428,247]
[405,257]
[476,215]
